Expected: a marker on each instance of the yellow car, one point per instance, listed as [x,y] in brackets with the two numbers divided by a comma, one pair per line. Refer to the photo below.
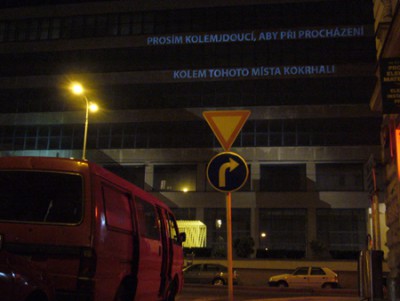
[314,277]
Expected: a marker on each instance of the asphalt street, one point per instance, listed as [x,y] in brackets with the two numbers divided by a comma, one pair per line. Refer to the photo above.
[210,293]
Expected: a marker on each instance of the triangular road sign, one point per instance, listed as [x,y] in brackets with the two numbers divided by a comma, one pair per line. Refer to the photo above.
[226,125]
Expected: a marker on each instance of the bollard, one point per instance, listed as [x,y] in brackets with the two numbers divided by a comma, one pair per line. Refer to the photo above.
[393,288]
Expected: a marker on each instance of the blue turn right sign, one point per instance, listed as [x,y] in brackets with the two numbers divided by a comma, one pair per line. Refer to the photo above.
[227,172]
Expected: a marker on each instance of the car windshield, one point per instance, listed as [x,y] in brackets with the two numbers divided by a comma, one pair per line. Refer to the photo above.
[45,197]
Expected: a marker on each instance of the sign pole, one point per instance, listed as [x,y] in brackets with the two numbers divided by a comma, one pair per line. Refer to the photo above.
[227,171]
[229,243]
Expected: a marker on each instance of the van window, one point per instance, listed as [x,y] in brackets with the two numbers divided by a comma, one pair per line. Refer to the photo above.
[37,196]
[173,229]
[117,209]
[149,223]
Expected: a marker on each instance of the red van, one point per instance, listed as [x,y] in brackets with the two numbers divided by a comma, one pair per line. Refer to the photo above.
[99,237]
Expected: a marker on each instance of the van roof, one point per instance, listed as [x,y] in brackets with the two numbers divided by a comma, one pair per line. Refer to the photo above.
[73,165]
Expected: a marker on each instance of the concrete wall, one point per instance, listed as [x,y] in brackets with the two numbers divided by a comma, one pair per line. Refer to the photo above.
[257,272]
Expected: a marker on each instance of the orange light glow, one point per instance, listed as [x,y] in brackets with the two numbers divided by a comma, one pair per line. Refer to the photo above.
[397,133]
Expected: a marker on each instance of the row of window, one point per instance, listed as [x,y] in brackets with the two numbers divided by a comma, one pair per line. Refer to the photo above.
[273,177]
[277,53]
[318,91]
[30,3]
[260,133]
[189,20]
[286,229]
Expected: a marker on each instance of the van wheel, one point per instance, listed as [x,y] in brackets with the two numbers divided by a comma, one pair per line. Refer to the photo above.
[171,293]
[122,294]
[126,290]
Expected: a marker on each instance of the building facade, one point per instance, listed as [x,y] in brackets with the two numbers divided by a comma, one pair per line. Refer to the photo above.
[305,70]
[383,100]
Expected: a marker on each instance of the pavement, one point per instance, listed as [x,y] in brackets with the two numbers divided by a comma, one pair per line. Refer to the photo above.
[335,295]
[331,298]
[329,295]
[315,298]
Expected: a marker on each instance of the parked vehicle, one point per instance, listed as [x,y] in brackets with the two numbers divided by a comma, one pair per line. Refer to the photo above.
[98,236]
[208,273]
[315,277]
[20,280]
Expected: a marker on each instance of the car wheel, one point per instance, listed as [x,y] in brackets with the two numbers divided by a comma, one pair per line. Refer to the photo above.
[282,284]
[218,281]
[328,285]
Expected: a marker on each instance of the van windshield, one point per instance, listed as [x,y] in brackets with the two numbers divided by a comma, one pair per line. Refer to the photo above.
[40,197]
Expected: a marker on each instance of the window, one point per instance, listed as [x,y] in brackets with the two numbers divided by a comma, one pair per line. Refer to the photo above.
[184,213]
[137,27]
[125,21]
[214,268]
[117,209]
[33,30]
[175,177]
[317,271]
[342,229]
[22,29]
[195,268]
[340,177]
[148,219]
[55,31]
[215,220]
[133,174]
[11,31]
[45,197]
[44,29]
[283,177]
[173,228]
[282,229]
[3,28]
[301,271]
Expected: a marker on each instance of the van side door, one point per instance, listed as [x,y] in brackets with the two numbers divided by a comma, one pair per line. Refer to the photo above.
[151,251]
[118,246]
[168,231]
[176,253]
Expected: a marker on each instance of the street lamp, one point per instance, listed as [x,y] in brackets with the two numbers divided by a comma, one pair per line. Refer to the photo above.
[78,89]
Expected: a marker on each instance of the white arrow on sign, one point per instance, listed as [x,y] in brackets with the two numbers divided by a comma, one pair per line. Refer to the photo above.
[231,165]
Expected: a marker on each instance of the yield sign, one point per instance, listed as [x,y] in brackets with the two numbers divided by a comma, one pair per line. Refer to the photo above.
[226,125]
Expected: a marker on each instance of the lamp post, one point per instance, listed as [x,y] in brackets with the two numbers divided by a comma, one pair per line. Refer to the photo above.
[77,89]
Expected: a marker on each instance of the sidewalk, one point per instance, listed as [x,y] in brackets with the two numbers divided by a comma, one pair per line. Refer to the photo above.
[316,298]
[335,295]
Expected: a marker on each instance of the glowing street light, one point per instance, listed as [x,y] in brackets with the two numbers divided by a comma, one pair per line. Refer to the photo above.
[77,88]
